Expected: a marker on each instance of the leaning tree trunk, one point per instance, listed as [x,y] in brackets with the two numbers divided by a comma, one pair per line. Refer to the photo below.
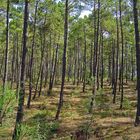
[19,117]
[64,60]
[137,44]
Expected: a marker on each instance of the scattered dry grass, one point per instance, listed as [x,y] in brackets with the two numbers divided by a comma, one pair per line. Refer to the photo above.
[110,123]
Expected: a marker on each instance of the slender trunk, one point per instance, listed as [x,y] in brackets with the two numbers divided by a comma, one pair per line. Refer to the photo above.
[13,63]
[126,63]
[31,59]
[20,111]
[122,59]
[98,64]
[102,61]
[75,62]
[40,76]
[109,69]
[91,60]
[78,62]
[117,59]
[41,81]
[64,61]
[132,65]
[6,48]
[96,34]
[85,61]
[1,67]
[5,60]
[53,72]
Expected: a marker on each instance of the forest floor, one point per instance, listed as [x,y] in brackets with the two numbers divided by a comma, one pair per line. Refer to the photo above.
[108,121]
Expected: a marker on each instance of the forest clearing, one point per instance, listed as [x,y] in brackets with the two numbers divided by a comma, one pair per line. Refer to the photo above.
[69,70]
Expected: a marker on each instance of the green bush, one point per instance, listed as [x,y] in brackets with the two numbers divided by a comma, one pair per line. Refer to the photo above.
[42,128]
[7,102]
[127,104]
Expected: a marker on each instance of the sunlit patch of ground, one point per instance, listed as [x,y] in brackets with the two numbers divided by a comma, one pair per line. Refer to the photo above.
[109,122]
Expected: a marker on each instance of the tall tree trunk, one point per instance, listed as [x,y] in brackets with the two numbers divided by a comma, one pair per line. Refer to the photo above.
[13,62]
[64,60]
[91,60]
[96,34]
[126,63]
[18,66]
[78,61]
[6,48]
[132,65]
[137,44]
[102,60]
[20,111]
[53,72]
[5,59]
[75,62]
[31,59]
[40,76]
[85,61]
[117,59]
[122,59]
[113,64]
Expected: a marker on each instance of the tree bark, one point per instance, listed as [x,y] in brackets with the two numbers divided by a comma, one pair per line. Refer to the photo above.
[137,45]
[64,61]
[20,111]
[117,59]
[122,59]
[31,58]
[96,34]
[85,61]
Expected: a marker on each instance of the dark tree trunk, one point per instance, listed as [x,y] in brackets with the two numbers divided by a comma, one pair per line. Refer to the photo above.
[78,61]
[126,63]
[109,69]
[102,61]
[53,72]
[41,81]
[98,64]
[13,62]
[19,117]
[91,60]
[75,62]
[117,59]
[96,34]
[137,44]
[31,59]
[122,59]
[64,61]
[5,59]
[6,48]
[18,67]
[132,65]
[85,61]
[40,73]
[113,64]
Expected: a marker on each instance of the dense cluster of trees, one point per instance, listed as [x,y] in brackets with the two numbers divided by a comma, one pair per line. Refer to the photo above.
[45,42]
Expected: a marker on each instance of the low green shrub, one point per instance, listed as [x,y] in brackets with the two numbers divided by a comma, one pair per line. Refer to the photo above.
[7,103]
